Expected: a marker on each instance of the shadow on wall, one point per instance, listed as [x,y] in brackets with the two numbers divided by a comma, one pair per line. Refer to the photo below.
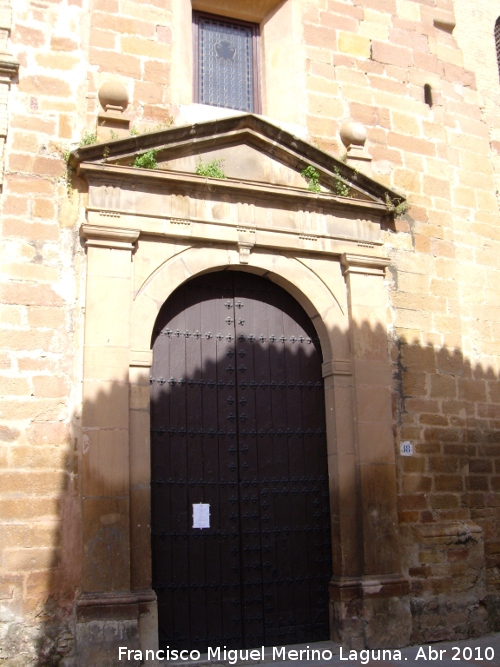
[41,521]
[449,491]
[449,510]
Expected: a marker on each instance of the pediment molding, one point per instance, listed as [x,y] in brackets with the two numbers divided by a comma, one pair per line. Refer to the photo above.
[248,129]
[269,197]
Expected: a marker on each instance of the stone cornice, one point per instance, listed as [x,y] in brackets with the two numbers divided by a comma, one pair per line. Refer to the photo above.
[385,585]
[141,358]
[109,237]
[245,189]
[9,67]
[367,264]
[115,598]
[336,367]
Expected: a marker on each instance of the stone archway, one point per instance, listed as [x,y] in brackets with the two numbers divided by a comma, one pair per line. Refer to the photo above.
[321,304]
[137,256]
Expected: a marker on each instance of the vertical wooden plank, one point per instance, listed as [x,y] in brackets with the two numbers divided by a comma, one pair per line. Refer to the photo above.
[170,468]
[209,298]
[247,322]
[221,464]
[228,416]
[297,465]
[199,565]
[285,543]
[316,544]
[277,591]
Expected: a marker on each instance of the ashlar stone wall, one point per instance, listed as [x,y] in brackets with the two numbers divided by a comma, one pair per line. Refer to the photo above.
[365,60]
[370,61]
[41,336]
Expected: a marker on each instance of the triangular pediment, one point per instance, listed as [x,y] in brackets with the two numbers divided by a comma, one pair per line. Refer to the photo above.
[253,154]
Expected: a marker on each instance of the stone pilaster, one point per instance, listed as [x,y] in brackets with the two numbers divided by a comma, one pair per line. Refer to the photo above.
[140,497]
[107,611]
[372,608]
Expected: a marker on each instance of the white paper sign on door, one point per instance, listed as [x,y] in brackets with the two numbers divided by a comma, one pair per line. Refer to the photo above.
[201,515]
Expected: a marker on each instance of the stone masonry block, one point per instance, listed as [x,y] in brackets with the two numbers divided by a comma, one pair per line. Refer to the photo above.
[355,45]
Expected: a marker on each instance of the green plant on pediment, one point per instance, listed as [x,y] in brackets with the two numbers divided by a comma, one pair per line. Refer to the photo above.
[212,169]
[396,206]
[88,139]
[342,189]
[311,175]
[147,160]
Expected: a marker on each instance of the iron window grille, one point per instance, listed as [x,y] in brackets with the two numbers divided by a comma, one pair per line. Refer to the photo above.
[497,42]
[226,63]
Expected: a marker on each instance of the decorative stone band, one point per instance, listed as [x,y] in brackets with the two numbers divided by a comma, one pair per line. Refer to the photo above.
[116,597]
[109,237]
[368,264]
[383,586]
[336,367]
[115,606]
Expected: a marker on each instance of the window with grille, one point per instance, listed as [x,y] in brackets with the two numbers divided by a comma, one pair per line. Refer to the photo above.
[497,42]
[226,72]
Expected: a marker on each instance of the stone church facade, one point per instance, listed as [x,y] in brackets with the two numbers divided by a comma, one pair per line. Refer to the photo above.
[357,147]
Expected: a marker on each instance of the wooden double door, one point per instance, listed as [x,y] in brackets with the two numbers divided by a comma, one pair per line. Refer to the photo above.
[238,425]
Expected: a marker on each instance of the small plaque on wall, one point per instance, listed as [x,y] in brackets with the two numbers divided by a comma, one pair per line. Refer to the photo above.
[406,448]
[201,515]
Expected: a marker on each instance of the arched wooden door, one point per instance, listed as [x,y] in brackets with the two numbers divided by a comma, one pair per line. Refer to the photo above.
[238,423]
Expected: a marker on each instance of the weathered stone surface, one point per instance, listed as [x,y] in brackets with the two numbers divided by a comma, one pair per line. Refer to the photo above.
[388,622]
[417,356]
[97,642]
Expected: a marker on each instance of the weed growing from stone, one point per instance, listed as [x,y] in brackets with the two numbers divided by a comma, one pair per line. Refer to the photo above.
[211,169]
[341,188]
[68,175]
[147,160]
[88,138]
[396,207]
[311,175]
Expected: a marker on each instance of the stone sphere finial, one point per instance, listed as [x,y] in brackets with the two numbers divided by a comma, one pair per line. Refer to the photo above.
[113,95]
[353,134]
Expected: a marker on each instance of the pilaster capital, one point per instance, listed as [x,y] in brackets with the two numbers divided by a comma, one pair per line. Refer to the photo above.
[141,358]
[336,367]
[109,237]
[9,67]
[367,264]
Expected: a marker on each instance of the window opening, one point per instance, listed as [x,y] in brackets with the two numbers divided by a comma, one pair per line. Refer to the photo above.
[428,94]
[226,73]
